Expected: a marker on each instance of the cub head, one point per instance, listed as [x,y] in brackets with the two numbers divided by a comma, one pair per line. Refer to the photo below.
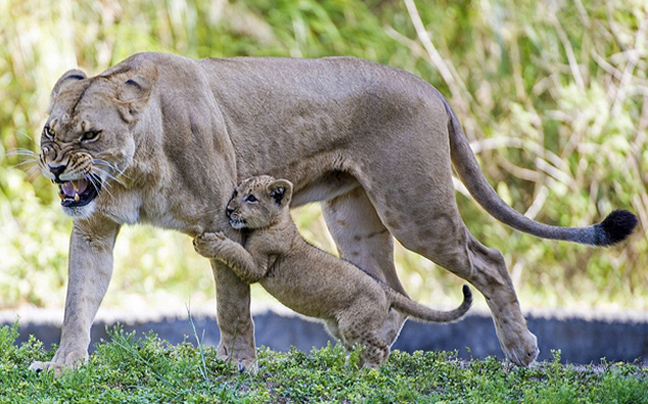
[87,141]
[259,202]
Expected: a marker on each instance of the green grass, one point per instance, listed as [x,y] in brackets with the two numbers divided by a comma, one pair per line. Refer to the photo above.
[136,369]
[552,96]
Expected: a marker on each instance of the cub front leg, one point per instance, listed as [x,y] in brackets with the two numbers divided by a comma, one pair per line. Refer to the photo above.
[217,246]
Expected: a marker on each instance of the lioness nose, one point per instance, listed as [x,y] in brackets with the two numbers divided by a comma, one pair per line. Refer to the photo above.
[57,170]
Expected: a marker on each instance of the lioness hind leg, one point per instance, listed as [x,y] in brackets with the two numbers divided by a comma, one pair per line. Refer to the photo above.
[421,212]
[363,240]
[456,250]
[361,237]
[491,277]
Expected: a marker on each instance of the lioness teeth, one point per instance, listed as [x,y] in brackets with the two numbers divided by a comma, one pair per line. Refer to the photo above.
[76,197]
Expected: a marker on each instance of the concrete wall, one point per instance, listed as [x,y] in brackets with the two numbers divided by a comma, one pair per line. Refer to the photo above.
[580,339]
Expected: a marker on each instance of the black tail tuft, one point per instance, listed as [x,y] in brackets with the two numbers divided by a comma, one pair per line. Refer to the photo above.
[467,294]
[616,227]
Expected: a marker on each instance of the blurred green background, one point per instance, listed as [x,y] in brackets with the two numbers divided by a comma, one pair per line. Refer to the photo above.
[553,96]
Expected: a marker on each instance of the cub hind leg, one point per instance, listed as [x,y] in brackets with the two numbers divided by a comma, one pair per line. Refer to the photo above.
[333,329]
[375,350]
[366,333]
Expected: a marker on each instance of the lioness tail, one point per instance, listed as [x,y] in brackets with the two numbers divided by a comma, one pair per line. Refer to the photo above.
[614,229]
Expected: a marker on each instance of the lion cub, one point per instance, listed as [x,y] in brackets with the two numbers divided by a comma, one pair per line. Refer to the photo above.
[353,304]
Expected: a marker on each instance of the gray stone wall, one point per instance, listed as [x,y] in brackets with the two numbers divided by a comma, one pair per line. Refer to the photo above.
[581,339]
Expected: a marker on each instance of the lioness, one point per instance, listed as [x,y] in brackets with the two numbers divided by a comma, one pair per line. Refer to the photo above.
[160,139]
[353,304]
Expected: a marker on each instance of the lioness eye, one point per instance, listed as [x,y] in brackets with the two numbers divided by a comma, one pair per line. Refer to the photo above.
[91,135]
[250,198]
[48,132]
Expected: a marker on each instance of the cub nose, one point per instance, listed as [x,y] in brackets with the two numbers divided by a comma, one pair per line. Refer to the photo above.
[229,211]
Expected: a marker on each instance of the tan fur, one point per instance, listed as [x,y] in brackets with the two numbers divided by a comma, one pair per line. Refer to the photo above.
[373,143]
[353,305]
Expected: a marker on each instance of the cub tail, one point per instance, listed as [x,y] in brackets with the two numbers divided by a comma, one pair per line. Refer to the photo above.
[424,313]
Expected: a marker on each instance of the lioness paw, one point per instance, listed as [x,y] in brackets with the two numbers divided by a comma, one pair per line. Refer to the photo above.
[57,368]
[248,365]
[243,364]
[71,361]
[520,346]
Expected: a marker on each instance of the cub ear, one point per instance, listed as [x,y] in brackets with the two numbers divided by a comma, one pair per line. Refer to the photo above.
[134,95]
[69,77]
[281,191]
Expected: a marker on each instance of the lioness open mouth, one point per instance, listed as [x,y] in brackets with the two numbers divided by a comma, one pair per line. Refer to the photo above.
[78,192]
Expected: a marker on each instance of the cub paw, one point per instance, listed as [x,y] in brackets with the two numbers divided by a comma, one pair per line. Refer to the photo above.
[207,243]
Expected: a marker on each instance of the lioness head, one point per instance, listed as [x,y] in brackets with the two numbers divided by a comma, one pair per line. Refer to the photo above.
[259,202]
[87,141]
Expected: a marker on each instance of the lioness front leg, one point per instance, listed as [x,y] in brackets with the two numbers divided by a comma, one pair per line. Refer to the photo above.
[218,246]
[90,270]
[230,264]
[234,320]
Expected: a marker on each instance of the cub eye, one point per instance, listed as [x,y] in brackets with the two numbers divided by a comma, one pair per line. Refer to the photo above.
[251,198]
[48,132]
[91,135]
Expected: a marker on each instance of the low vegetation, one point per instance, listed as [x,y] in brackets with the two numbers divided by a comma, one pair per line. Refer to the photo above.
[553,96]
[142,369]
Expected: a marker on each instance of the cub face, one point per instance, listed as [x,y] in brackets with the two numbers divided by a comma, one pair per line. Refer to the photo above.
[259,202]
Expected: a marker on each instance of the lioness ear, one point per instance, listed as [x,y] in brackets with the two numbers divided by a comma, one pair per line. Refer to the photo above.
[281,191]
[134,94]
[69,77]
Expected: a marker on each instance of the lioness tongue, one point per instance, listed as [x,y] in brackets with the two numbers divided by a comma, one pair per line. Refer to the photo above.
[72,188]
